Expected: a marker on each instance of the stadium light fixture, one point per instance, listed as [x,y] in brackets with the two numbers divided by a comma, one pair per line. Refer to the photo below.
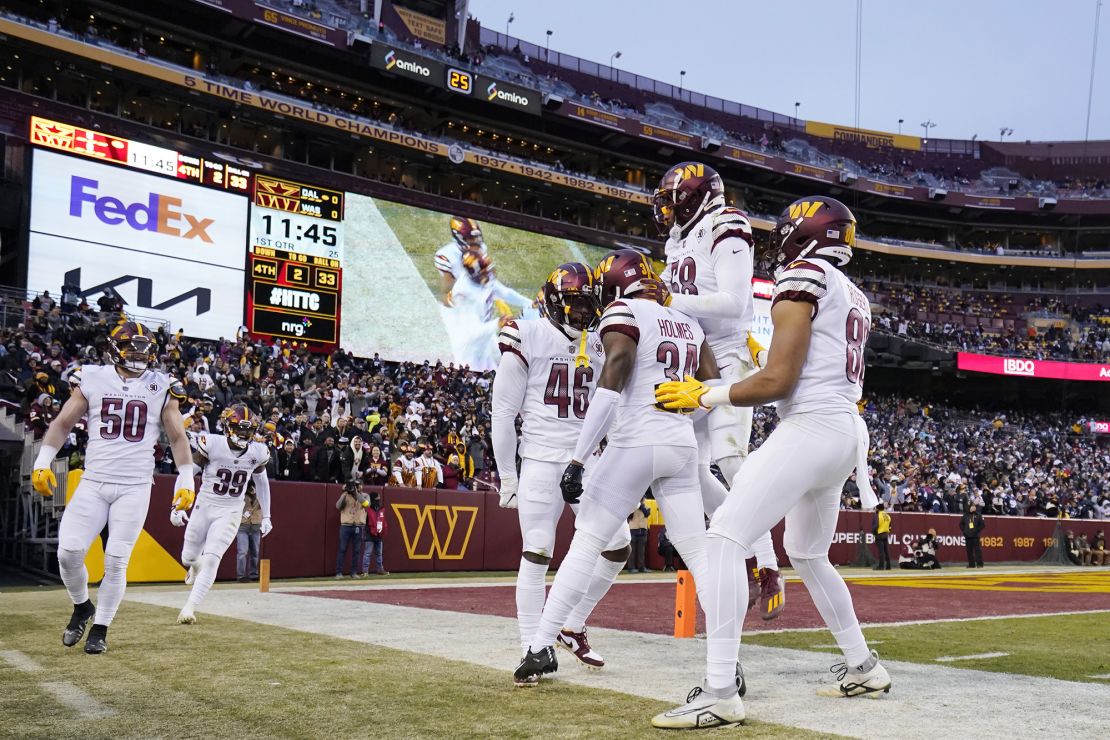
[796,106]
[900,122]
[507,22]
[612,69]
[1004,131]
[927,125]
[681,79]
[548,51]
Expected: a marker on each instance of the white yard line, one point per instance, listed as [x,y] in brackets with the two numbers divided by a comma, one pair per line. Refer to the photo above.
[20,661]
[927,700]
[1101,677]
[77,700]
[976,656]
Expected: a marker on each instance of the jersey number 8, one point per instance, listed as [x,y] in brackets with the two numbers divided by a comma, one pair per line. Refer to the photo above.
[856,330]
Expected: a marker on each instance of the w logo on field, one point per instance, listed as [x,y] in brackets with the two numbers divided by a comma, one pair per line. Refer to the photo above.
[435,530]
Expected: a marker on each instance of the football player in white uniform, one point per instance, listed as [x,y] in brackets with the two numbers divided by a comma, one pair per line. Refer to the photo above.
[645,344]
[709,275]
[548,369]
[227,462]
[815,373]
[474,301]
[128,406]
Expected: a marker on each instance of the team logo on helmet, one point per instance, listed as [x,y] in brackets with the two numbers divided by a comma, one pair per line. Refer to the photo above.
[622,273]
[685,192]
[816,226]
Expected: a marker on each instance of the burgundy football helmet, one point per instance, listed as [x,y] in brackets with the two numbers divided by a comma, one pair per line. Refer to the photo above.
[240,425]
[570,298]
[477,264]
[621,274]
[815,226]
[686,191]
[466,233]
[131,346]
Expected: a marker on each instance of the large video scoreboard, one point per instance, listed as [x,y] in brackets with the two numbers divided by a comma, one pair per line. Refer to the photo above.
[295,252]
[153,230]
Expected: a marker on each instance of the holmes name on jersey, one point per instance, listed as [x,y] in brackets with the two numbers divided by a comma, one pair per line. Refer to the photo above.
[675,329]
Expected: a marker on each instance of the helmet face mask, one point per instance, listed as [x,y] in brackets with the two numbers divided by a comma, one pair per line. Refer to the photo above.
[240,426]
[132,347]
[569,298]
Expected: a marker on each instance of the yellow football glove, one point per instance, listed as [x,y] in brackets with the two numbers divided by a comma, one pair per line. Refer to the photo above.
[504,309]
[757,351]
[681,395]
[183,499]
[43,481]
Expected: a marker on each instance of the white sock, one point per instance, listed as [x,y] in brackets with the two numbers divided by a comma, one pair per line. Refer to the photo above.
[71,565]
[206,566]
[605,572]
[530,592]
[725,620]
[764,549]
[110,593]
[570,585]
[834,602]
[713,492]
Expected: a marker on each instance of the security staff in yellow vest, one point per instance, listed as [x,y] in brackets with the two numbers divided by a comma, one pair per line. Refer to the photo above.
[880,527]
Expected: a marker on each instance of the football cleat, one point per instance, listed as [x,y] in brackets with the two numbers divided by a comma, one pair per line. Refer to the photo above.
[868,679]
[534,665]
[578,644]
[75,630]
[772,593]
[186,616]
[702,709]
[98,640]
[191,575]
[753,581]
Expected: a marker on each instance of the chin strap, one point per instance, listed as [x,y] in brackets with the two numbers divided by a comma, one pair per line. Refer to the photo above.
[582,359]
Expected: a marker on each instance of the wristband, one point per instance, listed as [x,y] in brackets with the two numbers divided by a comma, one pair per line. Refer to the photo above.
[716,396]
[47,453]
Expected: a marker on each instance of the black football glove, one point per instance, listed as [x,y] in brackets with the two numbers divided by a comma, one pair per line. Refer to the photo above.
[571,483]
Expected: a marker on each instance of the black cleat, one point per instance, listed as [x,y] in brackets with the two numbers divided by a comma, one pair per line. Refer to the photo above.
[75,630]
[534,665]
[98,640]
[741,684]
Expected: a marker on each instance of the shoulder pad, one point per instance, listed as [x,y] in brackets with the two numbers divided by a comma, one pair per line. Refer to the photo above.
[803,281]
[177,390]
[618,316]
[731,223]
[510,340]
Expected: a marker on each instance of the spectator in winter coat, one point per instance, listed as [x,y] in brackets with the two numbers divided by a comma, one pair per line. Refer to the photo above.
[375,533]
[288,464]
[327,465]
[376,472]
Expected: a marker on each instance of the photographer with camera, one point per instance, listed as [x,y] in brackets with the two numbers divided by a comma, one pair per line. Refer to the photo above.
[352,505]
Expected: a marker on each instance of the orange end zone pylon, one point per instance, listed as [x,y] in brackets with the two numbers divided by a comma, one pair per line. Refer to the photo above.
[685,604]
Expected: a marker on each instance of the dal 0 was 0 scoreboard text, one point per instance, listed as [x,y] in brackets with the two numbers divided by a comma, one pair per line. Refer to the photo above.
[294,268]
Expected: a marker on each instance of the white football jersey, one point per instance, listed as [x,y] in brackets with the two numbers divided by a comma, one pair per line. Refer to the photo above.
[124,423]
[715,255]
[558,393]
[225,477]
[668,346]
[832,376]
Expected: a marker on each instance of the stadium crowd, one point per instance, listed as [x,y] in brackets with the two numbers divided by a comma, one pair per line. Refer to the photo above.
[991,322]
[337,417]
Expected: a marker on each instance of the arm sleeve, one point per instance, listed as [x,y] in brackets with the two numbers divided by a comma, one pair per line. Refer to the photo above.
[732,264]
[262,490]
[507,294]
[599,417]
[509,386]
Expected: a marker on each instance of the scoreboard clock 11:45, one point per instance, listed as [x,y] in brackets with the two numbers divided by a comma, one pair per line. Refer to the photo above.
[294,271]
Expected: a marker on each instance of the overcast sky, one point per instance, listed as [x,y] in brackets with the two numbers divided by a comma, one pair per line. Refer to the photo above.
[970,66]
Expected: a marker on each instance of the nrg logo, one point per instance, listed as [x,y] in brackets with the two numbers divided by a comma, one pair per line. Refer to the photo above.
[160,213]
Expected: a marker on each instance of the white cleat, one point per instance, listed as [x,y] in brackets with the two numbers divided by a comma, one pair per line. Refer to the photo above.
[190,576]
[869,679]
[186,616]
[702,709]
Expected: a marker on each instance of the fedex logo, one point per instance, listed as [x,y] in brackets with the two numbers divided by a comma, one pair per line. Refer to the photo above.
[160,213]
[1018,367]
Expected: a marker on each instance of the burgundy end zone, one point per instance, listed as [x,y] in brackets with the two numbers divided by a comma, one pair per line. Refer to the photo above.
[649,607]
